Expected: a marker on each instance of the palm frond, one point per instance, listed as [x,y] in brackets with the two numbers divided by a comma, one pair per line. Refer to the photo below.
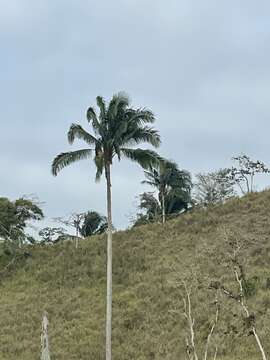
[117,151]
[92,118]
[141,116]
[152,176]
[65,159]
[118,103]
[77,131]
[102,107]
[151,183]
[119,129]
[99,161]
[144,134]
[146,158]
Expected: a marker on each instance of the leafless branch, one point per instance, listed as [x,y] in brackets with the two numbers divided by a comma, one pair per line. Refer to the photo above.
[214,324]
[190,339]
[239,274]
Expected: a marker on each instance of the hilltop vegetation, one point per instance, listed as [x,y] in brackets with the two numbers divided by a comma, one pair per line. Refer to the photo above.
[148,320]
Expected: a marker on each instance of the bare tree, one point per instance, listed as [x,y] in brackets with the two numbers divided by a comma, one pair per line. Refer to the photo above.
[235,247]
[189,284]
[190,320]
[244,172]
[190,338]
[213,326]
[74,220]
[214,187]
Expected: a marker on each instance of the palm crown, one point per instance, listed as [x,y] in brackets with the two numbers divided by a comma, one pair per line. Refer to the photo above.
[117,128]
[163,177]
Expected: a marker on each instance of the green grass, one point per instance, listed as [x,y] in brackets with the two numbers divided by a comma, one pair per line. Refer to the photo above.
[147,306]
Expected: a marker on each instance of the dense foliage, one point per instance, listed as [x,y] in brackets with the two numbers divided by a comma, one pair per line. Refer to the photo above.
[14,217]
[93,224]
[173,192]
[117,128]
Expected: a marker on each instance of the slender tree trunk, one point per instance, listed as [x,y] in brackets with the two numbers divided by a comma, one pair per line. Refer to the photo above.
[212,331]
[259,343]
[77,235]
[109,267]
[251,182]
[191,349]
[245,308]
[247,184]
[163,208]
[241,188]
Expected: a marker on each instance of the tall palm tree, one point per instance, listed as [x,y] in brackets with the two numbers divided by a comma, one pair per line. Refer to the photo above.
[171,183]
[117,128]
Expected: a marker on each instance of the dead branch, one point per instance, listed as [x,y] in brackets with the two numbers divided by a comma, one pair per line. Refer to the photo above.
[190,339]
[214,324]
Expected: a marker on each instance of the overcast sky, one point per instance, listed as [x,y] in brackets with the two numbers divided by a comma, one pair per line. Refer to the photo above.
[201,66]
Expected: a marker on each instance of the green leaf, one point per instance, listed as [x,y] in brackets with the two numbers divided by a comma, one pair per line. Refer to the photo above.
[92,118]
[144,134]
[145,158]
[99,161]
[77,131]
[65,159]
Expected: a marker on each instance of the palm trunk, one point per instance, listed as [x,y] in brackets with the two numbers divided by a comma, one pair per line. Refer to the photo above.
[109,267]
[163,209]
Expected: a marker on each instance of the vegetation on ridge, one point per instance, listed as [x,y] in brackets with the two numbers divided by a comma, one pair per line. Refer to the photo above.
[148,321]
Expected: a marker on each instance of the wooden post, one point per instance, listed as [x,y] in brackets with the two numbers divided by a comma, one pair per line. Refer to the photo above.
[45,351]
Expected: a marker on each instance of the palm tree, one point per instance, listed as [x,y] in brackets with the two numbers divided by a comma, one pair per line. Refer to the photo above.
[93,224]
[117,128]
[171,183]
[159,178]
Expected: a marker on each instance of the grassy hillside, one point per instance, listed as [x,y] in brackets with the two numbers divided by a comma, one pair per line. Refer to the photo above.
[147,310]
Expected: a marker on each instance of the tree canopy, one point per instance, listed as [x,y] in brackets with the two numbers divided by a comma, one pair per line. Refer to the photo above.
[214,187]
[117,128]
[173,186]
[93,224]
[14,217]
[244,172]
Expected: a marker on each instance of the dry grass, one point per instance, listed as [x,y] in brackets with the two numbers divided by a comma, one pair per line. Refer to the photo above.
[70,285]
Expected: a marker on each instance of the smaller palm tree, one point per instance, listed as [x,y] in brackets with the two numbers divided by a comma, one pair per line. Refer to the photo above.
[93,224]
[173,185]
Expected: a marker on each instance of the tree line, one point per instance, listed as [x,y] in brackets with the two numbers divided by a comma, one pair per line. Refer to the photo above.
[173,193]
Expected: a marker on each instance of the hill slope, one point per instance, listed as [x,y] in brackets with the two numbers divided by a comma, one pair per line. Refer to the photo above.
[147,310]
